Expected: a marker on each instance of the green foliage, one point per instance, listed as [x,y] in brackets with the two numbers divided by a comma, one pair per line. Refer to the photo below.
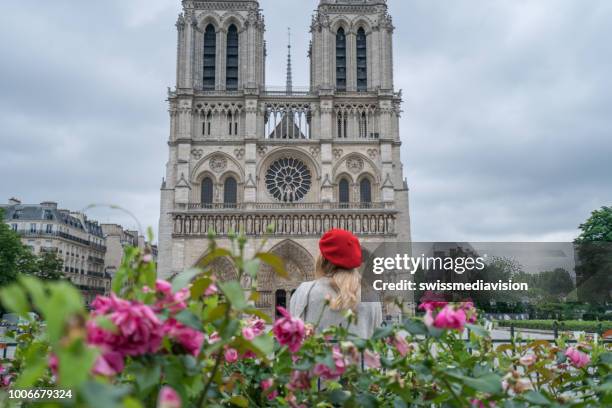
[598,228]
[430,368]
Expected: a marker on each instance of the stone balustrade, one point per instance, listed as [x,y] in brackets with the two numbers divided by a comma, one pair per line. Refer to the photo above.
[279,219]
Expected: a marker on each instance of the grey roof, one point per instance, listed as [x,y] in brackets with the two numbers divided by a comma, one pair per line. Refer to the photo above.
[37,212]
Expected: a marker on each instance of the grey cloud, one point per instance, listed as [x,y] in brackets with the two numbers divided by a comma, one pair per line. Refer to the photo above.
[506,125]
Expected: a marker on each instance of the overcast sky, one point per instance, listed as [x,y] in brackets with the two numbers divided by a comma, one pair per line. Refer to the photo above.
[506,129]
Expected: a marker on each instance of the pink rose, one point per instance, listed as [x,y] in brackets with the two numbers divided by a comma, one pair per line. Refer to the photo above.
[371,359]
[432,305]
[53,363]
[577,357]
[257,325]
[190,339]
[289,331]
[428,319]
[528,359]
[327,373]
[231,355]
[266,385]
[163,286]
[211,290]
[138,330]
[299,380]
[175,302]
[168,398]
[401,344]
[108,364]
[248,333]
[470,312]
[449,318]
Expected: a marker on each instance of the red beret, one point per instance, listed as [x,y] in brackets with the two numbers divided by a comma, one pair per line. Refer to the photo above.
[341,248]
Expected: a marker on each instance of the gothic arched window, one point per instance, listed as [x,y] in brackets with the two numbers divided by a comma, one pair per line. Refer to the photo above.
[230,192]
[365,191]
[343,193]
[362,61]
[363,125]
[210,57]
[231,77]
[207,193]
[340,60]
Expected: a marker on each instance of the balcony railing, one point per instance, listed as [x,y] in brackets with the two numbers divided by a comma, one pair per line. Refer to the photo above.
[288,206]
[59,234]
[286,221]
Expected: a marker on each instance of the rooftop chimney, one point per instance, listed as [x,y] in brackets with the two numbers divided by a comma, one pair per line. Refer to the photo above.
[49,204]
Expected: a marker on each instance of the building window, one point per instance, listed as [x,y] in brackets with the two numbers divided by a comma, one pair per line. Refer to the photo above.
[288,180]
[14,226]
[32,227]
[340,60]
[362,61]
[365,192]
[207,192]
[231,81]
[206,124]
[210,57]
[49,228]
[230,192]
[232,121]
[343,193]
[363,125]
[342,125]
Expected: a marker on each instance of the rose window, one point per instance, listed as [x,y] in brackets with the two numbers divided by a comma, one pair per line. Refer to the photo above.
[288,180]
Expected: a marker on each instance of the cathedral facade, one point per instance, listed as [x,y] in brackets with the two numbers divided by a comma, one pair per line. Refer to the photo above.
[243,156]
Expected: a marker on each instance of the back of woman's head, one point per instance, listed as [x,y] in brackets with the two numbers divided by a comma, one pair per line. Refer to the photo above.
[346,283]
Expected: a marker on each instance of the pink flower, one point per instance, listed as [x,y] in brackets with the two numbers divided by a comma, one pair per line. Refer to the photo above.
[578,358]
[6,380]
[249,354]
[248,333]
[231,355]
[432,305]
[53,363]
[147,258]
[214,337]
[299,380]
[163,286]
[190,339]
[289,331]
[138,331]
[449,318]
[267,384]
[108,364]
[371,359]
[211,290]
[401,344]
[476,403]
[528,359]
[168,398]
[327,373]
[470,312]
[257,325]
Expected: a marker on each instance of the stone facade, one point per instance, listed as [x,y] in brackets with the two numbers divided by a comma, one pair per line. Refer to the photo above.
[117,239]
[243,156]
[77,240]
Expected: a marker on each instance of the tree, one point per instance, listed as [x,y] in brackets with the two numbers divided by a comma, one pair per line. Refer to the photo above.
[49,266]
[12,253]
[598,228]
[594,249]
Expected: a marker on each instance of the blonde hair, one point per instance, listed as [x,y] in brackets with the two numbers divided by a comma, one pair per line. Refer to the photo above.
[346,283]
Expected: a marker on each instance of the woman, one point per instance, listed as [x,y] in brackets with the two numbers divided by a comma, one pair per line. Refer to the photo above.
[338,282]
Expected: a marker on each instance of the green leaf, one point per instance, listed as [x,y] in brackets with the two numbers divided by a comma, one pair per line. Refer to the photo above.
[130,402]
[275,262]
[382,332]
[213,255]
[606,358]
[478,330]
[264,343]
[252,267]
[490,383]
[14,299]
[415,327]
[199,286]
[75,365]
[105,323]
[36,289]
[535,397]
[399,403]
[119,280]
[100,395]
[64,302]
[183,279]
[234,293]
[338,397]
[189,319]
[147,377]
[239,401]
[366,401]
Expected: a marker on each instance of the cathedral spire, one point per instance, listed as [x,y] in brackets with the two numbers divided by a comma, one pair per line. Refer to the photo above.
[289,72]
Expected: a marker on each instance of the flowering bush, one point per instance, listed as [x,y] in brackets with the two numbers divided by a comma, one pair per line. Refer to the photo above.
[196,342]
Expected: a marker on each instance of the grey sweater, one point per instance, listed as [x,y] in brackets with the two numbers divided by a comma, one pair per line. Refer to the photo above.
[308,307]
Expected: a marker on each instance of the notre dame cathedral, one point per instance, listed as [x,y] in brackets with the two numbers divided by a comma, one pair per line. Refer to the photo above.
[244,156]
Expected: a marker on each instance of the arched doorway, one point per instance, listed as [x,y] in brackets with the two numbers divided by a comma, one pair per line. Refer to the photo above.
[275,291]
